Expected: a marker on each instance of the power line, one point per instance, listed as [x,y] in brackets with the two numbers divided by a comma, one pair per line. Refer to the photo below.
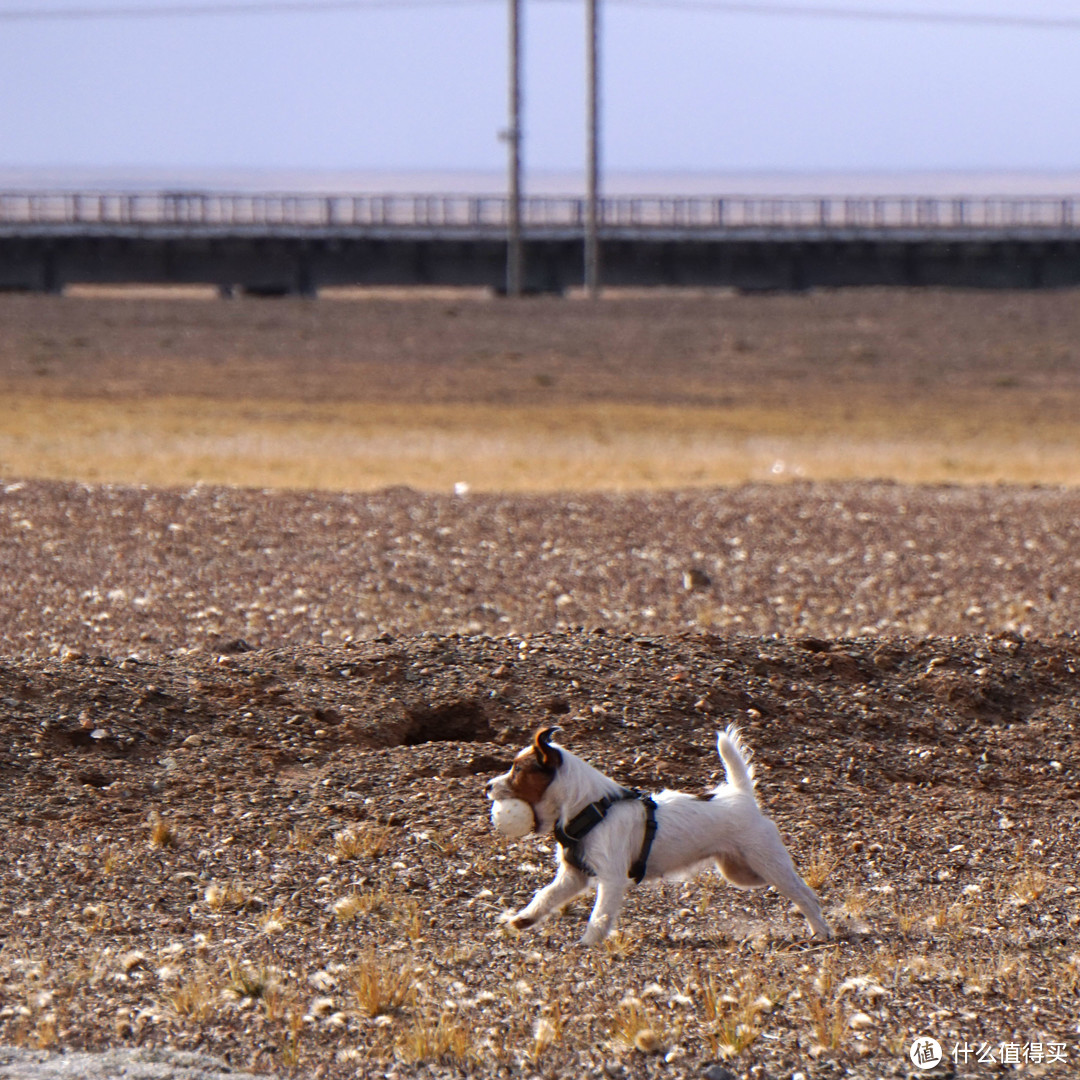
[272,7]
[727,7]
[942,18]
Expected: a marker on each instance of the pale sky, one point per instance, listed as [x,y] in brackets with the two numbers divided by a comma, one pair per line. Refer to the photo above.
[688,85]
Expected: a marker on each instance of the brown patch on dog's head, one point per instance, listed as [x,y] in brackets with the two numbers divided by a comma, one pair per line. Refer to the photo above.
[534,768]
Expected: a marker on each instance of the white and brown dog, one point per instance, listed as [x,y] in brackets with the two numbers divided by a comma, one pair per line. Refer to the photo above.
[614,836]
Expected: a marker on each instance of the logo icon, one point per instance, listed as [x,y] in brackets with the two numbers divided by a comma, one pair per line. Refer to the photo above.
[925,1052]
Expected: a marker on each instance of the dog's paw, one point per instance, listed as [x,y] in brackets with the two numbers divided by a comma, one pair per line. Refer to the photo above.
[593,936]
[515,920]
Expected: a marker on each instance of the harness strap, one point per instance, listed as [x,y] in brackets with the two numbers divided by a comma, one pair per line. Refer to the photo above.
[637,871]
[571,835]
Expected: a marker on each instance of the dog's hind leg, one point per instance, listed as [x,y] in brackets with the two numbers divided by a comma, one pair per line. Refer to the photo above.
[609,902]
[568,883]
[803,897]
[738,873]
[769,863]
[780,873]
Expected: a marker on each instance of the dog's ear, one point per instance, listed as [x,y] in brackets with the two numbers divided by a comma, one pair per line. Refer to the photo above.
[547,755]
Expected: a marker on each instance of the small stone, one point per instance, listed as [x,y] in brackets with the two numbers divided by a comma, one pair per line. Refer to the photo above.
[695,578]
[718,1072]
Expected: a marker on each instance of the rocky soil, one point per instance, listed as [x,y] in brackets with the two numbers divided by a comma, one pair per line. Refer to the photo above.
[245,737]
[119,570]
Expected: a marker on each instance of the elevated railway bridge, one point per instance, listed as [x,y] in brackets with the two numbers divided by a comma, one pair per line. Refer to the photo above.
[282,243]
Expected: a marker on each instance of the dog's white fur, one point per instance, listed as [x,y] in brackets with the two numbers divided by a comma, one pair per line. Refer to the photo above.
[725,829]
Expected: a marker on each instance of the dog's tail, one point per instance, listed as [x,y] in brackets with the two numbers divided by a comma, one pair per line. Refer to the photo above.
[736,758]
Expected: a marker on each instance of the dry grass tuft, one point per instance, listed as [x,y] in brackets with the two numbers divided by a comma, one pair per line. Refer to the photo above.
[443,1040]
[734,1016]
[162,833]
[821,864]
[251,981]
[301,839]
[232,896]
[827,1021]
[193,998]
[349,906]
[112,858]
[362,841]
[1028,886]
[380,990]
[634,1027]
[547,1032]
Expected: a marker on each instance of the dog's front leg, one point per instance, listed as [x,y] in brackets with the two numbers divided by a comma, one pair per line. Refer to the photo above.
[609,902]
[568,883]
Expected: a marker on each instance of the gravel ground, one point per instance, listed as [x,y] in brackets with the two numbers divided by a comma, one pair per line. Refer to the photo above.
[131,1064]
[116,570]
[246,736]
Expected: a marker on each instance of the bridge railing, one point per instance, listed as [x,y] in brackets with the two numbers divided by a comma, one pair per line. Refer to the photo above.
[491,212]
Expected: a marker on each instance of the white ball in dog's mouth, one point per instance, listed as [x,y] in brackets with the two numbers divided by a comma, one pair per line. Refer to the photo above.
[513,817]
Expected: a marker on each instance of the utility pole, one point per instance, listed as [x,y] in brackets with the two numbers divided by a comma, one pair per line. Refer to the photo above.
[592,210]
[514,254]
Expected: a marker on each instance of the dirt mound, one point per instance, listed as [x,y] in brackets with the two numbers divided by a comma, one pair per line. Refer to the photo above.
[469,689]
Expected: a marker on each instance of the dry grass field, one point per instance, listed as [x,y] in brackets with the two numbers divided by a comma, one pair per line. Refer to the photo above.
[639,391]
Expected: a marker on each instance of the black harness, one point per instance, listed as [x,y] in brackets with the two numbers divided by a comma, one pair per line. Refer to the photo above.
[573,833]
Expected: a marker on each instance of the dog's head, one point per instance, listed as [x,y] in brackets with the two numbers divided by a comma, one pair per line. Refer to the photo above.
[531,775]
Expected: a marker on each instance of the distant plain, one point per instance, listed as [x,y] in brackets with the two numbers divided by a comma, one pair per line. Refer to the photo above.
[361,390]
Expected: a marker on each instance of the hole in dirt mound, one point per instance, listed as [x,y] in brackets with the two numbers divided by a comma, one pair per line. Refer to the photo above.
[458,721]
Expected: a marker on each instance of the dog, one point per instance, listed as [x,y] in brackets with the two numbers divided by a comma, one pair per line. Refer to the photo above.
[615,836]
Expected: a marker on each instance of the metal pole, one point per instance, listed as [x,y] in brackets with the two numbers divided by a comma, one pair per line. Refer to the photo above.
[514,259]
[592,212]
